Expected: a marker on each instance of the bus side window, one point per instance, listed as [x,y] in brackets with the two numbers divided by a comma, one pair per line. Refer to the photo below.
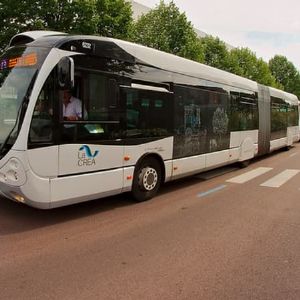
[146,112]
[102,114]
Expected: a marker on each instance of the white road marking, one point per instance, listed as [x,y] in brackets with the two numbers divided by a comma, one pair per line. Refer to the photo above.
[280,179]
[249,175]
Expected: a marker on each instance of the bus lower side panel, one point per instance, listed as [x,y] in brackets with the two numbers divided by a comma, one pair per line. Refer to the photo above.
[78,188]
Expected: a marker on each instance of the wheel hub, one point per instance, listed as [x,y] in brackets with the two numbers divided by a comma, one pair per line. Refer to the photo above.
[148,179]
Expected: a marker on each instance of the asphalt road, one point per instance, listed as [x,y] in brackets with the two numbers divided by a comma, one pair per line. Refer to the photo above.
[201,238]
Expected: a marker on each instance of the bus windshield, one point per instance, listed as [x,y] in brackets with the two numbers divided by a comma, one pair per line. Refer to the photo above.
[18,69]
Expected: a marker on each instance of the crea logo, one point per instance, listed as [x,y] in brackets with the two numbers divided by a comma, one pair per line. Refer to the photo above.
[86,157]
[88,151]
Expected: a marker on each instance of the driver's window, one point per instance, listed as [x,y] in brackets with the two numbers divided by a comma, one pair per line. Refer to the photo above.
[41,129]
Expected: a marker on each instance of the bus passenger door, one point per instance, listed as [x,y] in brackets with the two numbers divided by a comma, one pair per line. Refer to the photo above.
[91,151]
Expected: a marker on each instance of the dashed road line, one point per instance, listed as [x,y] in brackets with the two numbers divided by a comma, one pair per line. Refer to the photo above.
[249,175]
[216,189]
[280,179]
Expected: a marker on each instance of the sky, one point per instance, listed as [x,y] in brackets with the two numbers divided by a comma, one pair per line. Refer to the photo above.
[266,27]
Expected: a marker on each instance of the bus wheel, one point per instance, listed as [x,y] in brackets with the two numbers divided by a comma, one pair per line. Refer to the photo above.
[147,180]
[244,164]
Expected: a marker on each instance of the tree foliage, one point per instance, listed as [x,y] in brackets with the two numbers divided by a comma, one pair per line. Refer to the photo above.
[285,73]
[105,17]
[245,63]
[165,28]
[14,17]
[215,53]
[114,18]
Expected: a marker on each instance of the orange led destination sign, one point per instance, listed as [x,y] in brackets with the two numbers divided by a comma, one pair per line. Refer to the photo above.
[22,61]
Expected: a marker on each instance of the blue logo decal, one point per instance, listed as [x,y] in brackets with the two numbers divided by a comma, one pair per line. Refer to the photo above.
[88,151]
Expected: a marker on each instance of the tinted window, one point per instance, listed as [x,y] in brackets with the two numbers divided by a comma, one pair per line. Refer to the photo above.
[293,116]
[201,121]
[95,102]
[148,113]
[243,111]
[279,118]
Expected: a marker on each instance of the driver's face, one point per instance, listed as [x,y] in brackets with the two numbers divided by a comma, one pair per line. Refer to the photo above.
[66,97]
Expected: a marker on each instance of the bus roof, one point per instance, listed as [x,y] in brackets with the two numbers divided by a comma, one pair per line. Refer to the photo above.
[137,53]
[134,53]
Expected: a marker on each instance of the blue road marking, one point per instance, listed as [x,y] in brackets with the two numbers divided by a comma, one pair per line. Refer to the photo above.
[216,189]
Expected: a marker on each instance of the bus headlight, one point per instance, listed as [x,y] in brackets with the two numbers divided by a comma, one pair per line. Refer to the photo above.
[17,197]
[3,177]
[13,173]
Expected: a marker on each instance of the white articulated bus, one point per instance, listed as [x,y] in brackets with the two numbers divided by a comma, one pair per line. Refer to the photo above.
[148,117]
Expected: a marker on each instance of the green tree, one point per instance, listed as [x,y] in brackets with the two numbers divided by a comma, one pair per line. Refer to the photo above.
[77,16]
[63,15]
[215,53]
[245,63]
[106,17]
[166,29]
[286,74]
[114,18]
[14,17]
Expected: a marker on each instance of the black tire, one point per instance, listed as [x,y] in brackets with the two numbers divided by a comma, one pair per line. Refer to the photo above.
[147,179]
[244,164]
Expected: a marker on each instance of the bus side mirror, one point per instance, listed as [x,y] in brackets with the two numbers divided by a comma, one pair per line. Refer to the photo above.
[66,73]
